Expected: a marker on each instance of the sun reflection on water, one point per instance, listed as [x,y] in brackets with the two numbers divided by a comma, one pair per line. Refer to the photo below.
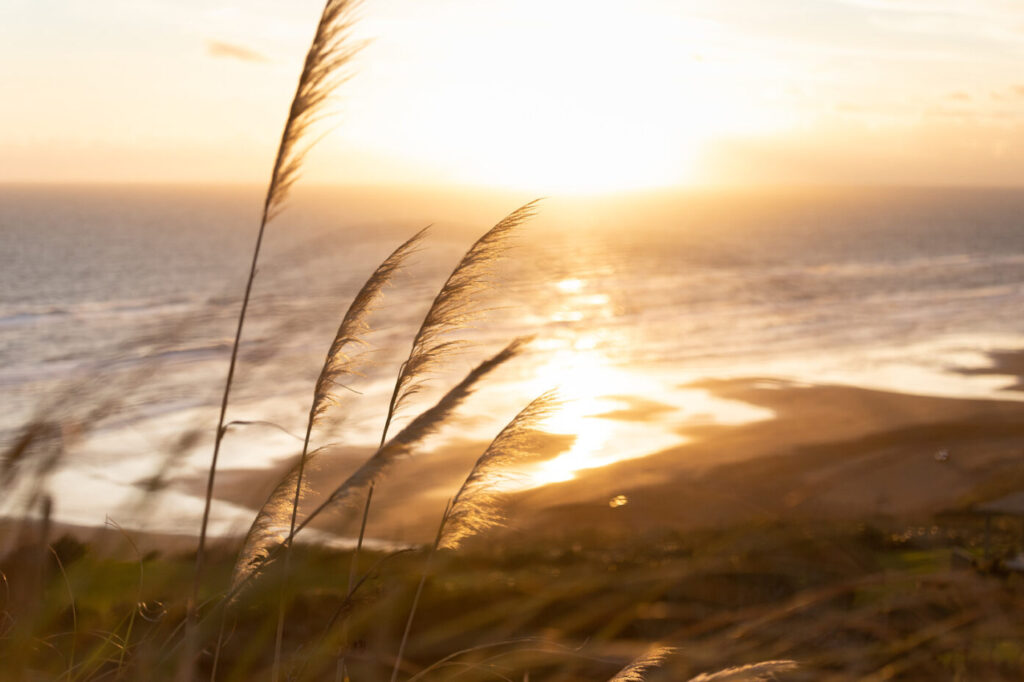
[572,285]
[614,411]
[582,377]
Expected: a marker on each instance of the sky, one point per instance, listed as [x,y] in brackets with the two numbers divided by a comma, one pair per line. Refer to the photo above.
[544,95]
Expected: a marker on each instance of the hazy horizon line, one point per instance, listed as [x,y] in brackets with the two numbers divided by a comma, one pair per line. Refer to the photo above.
[497,190]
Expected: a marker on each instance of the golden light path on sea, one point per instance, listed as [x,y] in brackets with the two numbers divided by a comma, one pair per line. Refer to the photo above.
[614,412]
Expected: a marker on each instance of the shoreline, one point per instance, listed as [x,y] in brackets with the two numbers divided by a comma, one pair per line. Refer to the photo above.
[830,451]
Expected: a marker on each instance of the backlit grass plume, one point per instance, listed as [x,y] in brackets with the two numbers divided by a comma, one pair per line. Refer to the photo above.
[322,71]
[754,672]
[269,529]
[265,539]
[339,362]
[454,305]
[283,502]
[349,492]
[475,506]
[266,530]
[354,325]
[652,658]
[452,308]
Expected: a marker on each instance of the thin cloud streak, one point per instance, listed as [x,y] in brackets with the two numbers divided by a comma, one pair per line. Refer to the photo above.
[220,49]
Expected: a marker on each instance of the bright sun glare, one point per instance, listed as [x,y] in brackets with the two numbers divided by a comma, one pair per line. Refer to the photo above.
[600,100]
[587,383]
[597,395]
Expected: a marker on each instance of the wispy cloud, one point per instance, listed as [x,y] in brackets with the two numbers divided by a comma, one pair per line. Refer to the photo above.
[981,19]
[218,48]
[985,8]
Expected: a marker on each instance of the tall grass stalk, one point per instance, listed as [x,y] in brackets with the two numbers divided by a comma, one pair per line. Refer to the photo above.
[261,546]
[452,308]
[262,543]
[419,592]
[403,444]
[338,364]
[638,667]
[765,670]
[321,74]
[474,506]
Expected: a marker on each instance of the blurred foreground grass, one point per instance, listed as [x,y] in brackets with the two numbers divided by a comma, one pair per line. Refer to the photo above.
[849,601]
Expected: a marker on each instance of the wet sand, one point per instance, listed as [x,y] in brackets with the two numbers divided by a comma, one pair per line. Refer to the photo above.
[830,452]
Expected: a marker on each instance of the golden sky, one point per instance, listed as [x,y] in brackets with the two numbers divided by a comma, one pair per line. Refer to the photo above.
[545,95]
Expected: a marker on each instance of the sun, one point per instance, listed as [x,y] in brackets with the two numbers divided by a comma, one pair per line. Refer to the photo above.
[591,99]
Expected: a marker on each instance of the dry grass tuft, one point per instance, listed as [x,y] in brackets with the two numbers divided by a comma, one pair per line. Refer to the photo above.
[765,670]
[454,306]
[403,444]
[281,508]
[323,71]
[475,506]
[652,658]
[269,529]
[354,326]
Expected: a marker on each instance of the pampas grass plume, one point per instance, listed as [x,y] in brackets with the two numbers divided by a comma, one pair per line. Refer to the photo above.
[475,506]
[418,429]
[282,504]
[652,658]
[451,309]
[764,670]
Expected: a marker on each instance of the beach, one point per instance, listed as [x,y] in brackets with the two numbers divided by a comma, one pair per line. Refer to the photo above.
[828,452]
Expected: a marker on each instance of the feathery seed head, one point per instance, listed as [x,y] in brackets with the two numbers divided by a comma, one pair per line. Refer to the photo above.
[354,326]
[270,527]
[652,658]
[753,672]
[322,72]
[426,424]
[454,306]
[475,506]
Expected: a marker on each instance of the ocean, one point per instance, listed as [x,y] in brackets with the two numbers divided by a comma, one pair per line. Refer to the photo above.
[118,305]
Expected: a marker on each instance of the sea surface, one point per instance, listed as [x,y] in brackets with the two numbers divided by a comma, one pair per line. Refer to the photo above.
[118,305]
